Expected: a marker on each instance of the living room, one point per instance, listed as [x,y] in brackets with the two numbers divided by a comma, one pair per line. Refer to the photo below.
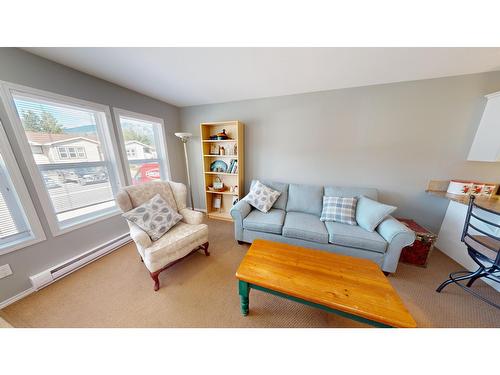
[244,185]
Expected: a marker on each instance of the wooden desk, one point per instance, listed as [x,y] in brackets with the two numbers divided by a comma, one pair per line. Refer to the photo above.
[492,203]
[352,287]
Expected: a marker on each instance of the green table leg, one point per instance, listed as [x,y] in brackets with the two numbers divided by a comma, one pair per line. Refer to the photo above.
[244,291]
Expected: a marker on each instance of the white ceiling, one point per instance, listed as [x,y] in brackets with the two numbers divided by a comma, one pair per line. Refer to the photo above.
[192,76]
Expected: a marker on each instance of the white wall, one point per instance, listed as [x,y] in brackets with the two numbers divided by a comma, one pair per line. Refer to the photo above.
[394,137]
[23,68]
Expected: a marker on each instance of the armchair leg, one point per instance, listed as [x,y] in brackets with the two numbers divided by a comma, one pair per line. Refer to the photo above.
[205,249]
[154,276]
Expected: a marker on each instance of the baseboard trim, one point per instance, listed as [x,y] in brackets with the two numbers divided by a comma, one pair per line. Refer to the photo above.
[126,239]
[16,298]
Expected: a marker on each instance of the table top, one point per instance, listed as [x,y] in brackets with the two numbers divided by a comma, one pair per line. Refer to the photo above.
[492,203]
[352,285]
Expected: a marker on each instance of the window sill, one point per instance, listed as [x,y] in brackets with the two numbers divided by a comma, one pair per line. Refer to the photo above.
[60,230]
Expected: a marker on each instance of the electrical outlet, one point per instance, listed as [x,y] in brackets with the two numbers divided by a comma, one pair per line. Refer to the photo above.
[5,271]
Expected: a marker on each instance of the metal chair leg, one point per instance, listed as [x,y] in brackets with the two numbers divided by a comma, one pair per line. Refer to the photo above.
[474,278]
[460,278]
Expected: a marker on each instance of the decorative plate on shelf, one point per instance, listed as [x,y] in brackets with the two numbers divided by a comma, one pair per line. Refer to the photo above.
[218,166]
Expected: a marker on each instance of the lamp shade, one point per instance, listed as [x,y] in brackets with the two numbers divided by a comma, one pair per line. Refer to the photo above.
[184,136]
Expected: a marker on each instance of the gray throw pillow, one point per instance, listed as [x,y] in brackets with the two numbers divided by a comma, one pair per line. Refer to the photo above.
[370,213]
[154,217]
[262,197]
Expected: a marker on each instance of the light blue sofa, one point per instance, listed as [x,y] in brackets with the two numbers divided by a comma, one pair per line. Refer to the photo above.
[294,219]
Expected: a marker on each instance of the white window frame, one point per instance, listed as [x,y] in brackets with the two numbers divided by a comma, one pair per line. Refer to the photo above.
[109,137]
[25,203]
[130,153]
[80,153]
[69,148]
[62,150]
[162,153]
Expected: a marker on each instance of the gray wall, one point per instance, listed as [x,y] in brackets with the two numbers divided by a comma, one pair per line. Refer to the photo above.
[395,137]
[20,67]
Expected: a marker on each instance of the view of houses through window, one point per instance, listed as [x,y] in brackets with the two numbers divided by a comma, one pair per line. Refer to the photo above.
[144,147]
[75,165]
[16,229]
[68,151]
[9,226]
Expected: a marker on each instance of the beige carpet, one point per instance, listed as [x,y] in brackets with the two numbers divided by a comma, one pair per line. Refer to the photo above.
[116,291]
[4,324]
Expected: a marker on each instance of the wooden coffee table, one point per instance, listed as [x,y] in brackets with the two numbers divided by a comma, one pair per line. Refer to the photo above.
[351,287]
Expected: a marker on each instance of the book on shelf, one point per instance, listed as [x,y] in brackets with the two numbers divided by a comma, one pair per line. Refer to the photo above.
[230,166]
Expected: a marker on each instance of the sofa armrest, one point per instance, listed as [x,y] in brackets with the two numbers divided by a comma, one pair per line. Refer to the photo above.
[398,236]
[191,217]
[240,211]
[141,238]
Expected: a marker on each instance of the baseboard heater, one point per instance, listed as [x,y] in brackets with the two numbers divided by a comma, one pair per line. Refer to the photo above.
[47,277]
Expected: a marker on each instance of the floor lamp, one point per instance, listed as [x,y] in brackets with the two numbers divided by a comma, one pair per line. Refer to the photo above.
[184,139]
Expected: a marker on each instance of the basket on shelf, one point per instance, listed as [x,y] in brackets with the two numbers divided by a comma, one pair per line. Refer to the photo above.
[217,185]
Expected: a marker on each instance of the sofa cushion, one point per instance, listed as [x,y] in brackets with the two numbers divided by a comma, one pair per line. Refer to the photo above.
[279,186]
[350,192]
[269,222]
[305,227]
[262,197]
[370,213]
[355,236]
[305,198]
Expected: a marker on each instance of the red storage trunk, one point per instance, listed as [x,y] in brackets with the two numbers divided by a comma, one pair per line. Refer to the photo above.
[419,252]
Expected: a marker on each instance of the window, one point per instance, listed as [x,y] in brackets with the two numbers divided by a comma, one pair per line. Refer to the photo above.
[81,152]
[63,153]
[144,144]
[19,226]
[71,153]
[37,149]
[77,175]
[131,152]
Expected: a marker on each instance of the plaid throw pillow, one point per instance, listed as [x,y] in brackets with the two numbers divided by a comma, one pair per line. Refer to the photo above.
[342,210]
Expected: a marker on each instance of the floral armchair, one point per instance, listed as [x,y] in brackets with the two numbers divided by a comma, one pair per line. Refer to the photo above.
[183,239]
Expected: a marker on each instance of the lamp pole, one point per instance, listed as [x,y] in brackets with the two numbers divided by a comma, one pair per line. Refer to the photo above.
[184,137]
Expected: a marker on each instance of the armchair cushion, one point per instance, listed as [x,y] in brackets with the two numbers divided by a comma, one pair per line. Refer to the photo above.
[142,193]
[141,238]
[191,217]
[178,242]
[155,217]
